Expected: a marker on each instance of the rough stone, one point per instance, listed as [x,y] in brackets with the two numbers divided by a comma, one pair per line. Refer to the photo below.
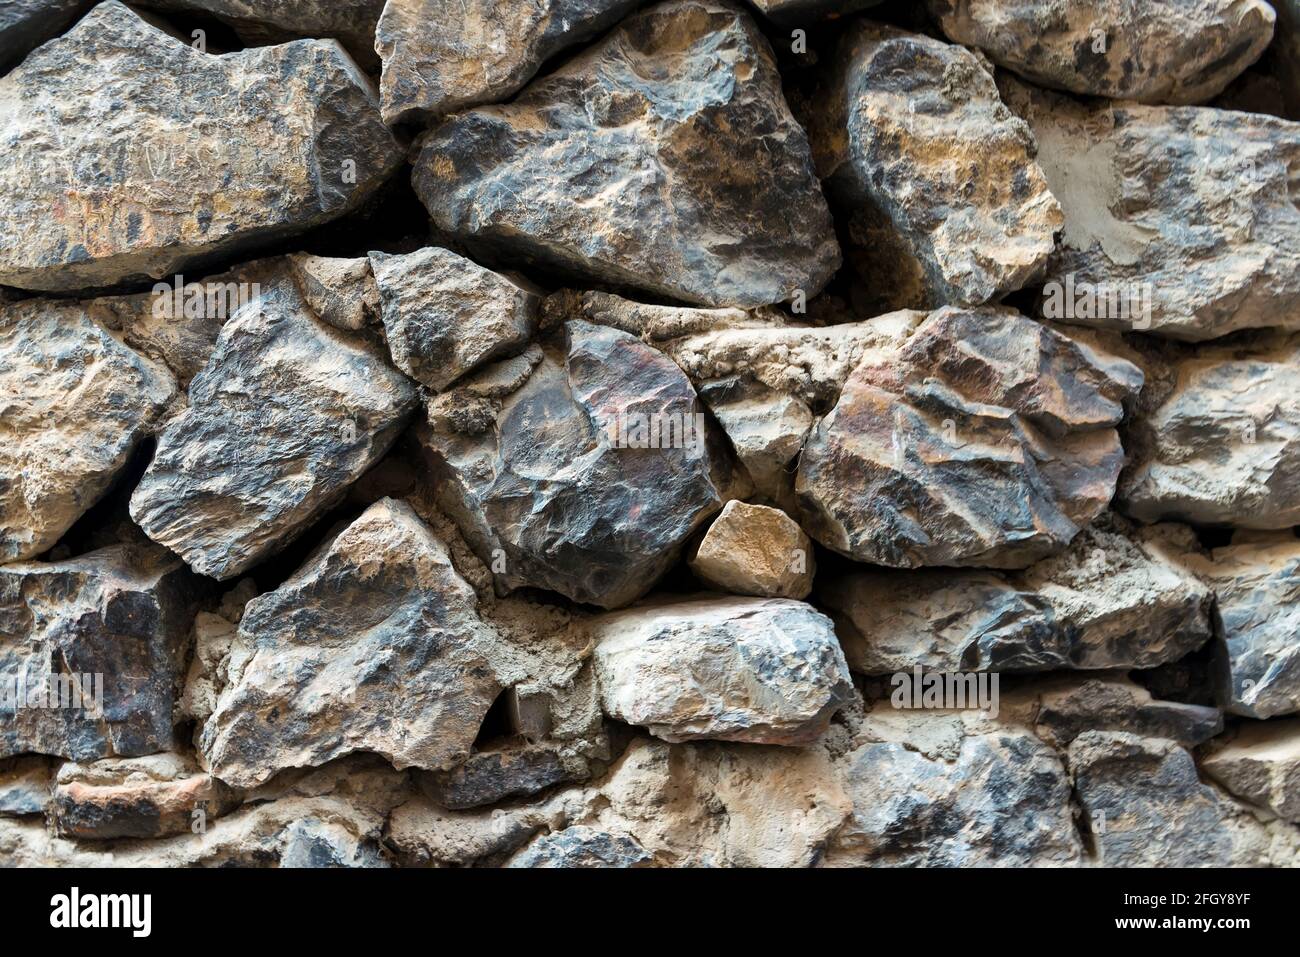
[74,404]
[1003,799]
[1155,51]
[25,786]
[581,846]
[1222,446]
[374,645]
[488,777]
[1146,223]
[445,315]
[259,22]
[592,169]
[132,154]
[1261,765]
[983,439]
[1158,813]
[1256,583]
[756,550]
[340,291]
[151,796]
[1111,601]
[285,416]
[114,622]
[529,457]
[482,52]
[764,671]
[912,136]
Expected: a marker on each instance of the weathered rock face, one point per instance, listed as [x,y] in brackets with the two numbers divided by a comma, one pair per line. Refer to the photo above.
[1224,444]
[26,24]
[1261,765]
[581,846]
[549,466]
[1109,602]
[137,797]
[91,652]
[589,169]
[913,132]
[756,550]
[351,22]
[75,404]
[764,671]
[1149,242]
[488,777]
[131,154]
[445,315]
[482,52]
[1158,51]
[1257,593]
[1061,709]
[1156,811]
[374,645]
[285,416]
[1002,799]
[972,399]
[26,784]
[340,291]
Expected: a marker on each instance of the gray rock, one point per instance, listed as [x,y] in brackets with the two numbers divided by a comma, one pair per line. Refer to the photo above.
[1256,583]
[285,416]
[132,154]
[259,22]
[912,135]
[74,404]
[796,12]
[1002,800]
[445,315]
[1064,708]
[374,645]
[1155,51]
[1145,806]
[482,51]
[764,671]
[581,846]
[25,786]
[594,168]
[1261,764]
[26,24]
[1221,443]
[535,458]
[1110,601]
[983,438]
[91,652]
[1146,225]
[488,777]
[152,796]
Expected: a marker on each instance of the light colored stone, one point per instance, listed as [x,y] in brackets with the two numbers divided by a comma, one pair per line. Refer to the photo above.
[592,169]
[1147,224]
[482,52]
[1222,445]
[74,405]
[912,135]
[445,315]
[582,846]
[286,415]
[1153,51]
[340,291]
[756,550]
[131,154]
[374,645]
[1261,764]
[765,671]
